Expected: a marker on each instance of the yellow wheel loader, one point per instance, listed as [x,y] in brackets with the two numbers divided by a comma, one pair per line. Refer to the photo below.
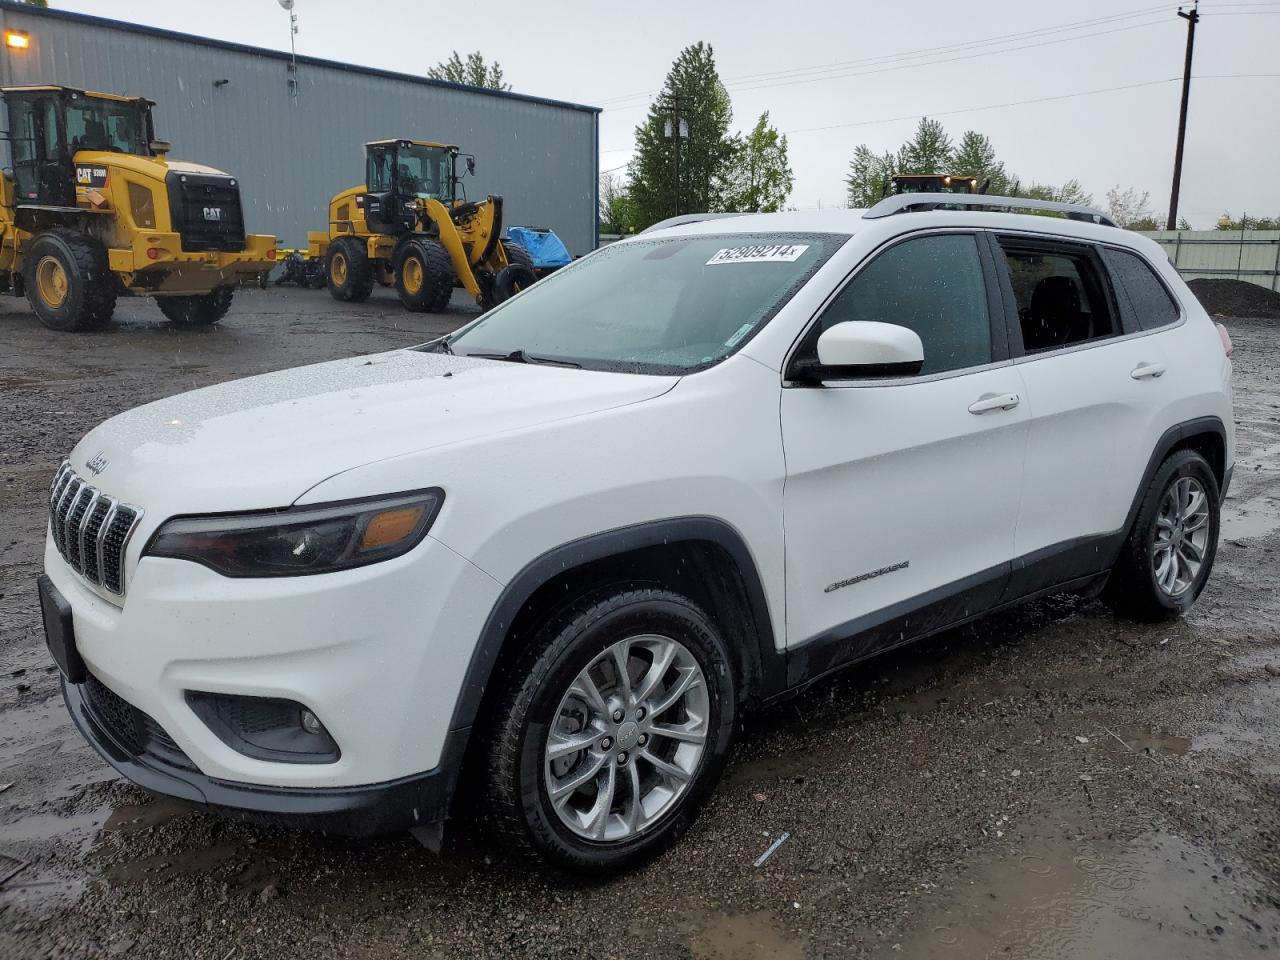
[406,226]
[92,209]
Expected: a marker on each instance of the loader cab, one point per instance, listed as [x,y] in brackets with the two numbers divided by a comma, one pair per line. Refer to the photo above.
[936,183]
[48,126]
[398,174]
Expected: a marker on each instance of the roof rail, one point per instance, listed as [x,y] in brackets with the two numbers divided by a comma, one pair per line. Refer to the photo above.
[687,218]
[907,202]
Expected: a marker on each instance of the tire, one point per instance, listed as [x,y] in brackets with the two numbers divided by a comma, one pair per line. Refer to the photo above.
[1141,585]
[347,270]
[424,274]
[516,275]
[201,310]
[68,282]
[534,696]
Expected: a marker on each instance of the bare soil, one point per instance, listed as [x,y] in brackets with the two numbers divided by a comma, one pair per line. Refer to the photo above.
[1050,782]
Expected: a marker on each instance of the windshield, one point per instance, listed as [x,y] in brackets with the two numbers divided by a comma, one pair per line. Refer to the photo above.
[106,125]
[415,171]
[664,306]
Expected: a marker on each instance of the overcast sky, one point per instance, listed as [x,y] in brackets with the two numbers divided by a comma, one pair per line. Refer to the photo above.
[832,75]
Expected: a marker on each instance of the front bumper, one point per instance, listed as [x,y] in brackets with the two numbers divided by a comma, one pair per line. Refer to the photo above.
[174,270]
[366,810]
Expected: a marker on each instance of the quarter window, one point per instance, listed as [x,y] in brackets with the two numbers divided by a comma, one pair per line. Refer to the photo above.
[1144,300]
[932,285]
[1060,296]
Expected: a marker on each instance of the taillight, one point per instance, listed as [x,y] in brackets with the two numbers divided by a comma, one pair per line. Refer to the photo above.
[1225,337]
[271,254]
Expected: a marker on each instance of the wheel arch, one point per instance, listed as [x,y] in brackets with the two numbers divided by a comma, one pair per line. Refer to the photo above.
[1207,436]
[703,557]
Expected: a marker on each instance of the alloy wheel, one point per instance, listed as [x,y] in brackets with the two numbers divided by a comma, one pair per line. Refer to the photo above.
[1181,537]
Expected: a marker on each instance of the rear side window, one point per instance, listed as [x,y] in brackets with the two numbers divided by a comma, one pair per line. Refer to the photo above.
[1144,299]
[932,285]
[1060,295]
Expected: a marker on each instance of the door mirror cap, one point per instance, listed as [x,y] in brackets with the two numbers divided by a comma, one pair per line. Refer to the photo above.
[857,349]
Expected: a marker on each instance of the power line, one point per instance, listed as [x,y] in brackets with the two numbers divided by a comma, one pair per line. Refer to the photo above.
[922,52]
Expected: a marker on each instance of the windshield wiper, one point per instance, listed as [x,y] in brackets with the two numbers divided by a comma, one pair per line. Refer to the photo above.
[523,356]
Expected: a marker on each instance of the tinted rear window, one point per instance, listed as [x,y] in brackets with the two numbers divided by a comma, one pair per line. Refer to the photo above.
[1144,299]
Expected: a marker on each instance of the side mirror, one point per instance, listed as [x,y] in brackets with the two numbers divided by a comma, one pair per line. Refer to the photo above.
[863,348]
[471,165]
[160,147]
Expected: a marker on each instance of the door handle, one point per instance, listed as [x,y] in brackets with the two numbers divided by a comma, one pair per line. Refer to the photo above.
[1147,371]
[994,401]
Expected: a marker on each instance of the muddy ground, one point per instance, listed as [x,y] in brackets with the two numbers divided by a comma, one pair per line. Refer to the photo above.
[1050,783]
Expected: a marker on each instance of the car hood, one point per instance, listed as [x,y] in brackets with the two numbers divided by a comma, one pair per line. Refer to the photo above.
[261,442]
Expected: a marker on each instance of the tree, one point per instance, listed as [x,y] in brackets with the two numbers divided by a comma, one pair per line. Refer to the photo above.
[1069,192]
[870,176]
[976,157]
[694,84]
[474,72]
[758,176]
[929,151]
[617,210]
[43,4]
[1130,209]
[1228,222]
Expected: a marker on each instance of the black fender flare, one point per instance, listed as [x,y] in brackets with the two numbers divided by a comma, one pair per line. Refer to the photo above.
[543,569]
[1173,438]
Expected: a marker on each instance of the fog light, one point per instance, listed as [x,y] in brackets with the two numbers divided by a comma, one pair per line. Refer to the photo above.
[311,723]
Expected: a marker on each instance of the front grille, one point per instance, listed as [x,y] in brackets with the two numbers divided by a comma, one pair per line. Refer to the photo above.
[132,729]
[90,529]
[206,211]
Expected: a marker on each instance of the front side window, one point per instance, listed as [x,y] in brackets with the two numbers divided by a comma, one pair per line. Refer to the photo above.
[662,306]
[1059,293]
[413,171]
[1144,299]
[111,125]
[932,285]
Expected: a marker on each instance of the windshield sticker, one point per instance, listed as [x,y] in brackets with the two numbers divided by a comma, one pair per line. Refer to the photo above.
[738,334]
[760,253]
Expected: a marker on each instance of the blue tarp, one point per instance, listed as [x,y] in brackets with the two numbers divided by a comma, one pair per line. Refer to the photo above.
[544,246]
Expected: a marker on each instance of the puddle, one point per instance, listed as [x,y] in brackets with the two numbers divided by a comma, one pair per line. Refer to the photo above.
[1058,899]
[744,936]
[1251,519]
[1146,741]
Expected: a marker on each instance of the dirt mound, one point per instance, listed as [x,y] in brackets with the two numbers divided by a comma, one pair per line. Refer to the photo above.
[1236,298]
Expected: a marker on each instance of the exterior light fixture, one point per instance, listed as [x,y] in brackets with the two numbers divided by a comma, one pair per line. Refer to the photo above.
[17,39]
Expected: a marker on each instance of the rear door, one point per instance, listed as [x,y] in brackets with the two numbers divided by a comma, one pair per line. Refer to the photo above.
[1095,385]
[901,494]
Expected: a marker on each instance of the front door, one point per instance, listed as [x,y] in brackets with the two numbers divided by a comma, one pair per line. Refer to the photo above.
[902,495]
[42,170]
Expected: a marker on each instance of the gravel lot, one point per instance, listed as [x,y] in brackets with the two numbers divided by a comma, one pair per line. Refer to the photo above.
[1051,782]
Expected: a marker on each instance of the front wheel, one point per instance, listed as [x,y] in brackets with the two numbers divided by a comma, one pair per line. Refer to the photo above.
[202,310]
[68,282]
[424,274]
[612,730]
[1166,560]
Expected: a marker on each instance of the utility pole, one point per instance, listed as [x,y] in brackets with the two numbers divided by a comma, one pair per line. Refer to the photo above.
[1192,17]
[678,129]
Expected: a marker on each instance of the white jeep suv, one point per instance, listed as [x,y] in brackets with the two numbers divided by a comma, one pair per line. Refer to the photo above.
[565,547]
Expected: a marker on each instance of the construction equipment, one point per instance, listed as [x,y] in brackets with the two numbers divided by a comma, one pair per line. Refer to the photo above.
[937,183]
[407,226]
[91,209]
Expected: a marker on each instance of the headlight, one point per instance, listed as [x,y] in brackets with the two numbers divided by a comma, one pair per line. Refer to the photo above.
[301,540]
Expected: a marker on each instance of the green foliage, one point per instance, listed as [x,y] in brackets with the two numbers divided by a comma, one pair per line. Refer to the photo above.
[43,4]
[929,151]
[617,209]
[757,177]
[1228,222]
[473,71]
[1069,192]
[1131,210]
[704,156]
[976,157]
[870,176]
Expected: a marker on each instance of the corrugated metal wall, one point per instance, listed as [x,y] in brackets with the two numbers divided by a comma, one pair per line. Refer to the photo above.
[291,155]
[1251,255]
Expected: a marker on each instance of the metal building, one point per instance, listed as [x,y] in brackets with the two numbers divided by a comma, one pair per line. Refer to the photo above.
[232,107]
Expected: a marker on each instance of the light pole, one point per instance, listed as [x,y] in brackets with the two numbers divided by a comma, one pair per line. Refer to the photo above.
[287,5]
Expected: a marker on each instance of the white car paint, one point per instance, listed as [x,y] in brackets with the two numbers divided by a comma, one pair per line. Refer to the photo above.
[822,485]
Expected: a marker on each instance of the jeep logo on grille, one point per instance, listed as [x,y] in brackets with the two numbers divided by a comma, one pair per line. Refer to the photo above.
[213,213]
[97,463]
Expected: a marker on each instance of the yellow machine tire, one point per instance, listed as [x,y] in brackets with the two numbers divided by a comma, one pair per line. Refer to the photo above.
[68,282]
[348,271]
[198,310]
[424,274]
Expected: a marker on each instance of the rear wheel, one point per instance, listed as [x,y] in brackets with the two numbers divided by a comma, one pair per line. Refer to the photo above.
[515,276]
[203,309]
[612,730]
[424,274]
[348,270]
[68,282]
[1169,553]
